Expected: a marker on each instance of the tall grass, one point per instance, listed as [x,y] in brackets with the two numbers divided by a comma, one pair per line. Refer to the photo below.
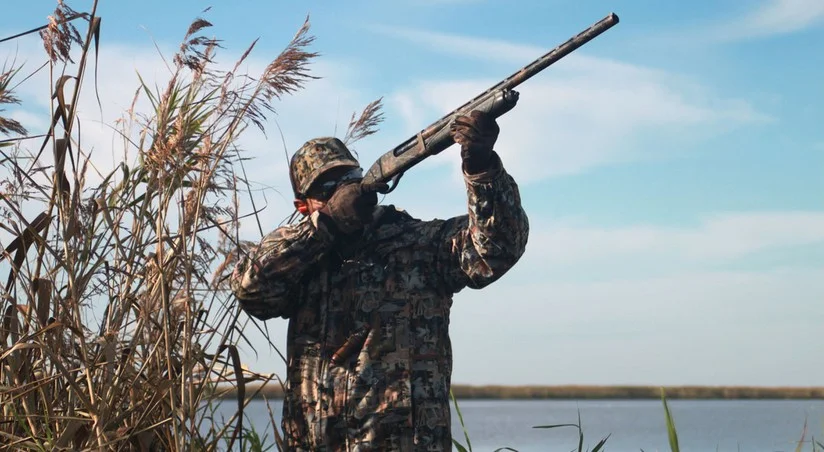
[117,324]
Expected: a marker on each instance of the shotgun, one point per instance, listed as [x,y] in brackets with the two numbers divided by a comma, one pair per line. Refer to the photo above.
[496,101]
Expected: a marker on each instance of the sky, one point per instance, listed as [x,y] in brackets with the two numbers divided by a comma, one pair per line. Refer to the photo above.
[671,168]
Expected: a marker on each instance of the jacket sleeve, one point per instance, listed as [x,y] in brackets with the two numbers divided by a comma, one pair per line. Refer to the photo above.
[478,248]
[266,280]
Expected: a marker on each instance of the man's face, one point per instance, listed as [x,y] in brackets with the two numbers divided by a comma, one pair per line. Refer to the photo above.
[325,186]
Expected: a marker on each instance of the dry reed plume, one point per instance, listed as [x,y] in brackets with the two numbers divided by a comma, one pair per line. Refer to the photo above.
[366,124]
[117,324]
[7,97]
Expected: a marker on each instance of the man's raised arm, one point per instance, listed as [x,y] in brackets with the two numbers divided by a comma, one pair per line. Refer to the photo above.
[478,248]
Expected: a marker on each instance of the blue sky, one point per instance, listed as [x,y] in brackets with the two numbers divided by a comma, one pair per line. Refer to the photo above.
[671,168]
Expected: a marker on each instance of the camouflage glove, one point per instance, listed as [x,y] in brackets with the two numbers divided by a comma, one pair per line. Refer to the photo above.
[350,208]
[476,134]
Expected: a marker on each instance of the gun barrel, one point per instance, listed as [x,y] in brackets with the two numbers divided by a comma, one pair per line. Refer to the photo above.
[550,57]
[561,51]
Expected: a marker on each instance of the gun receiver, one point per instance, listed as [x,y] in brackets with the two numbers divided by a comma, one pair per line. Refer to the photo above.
[496,101]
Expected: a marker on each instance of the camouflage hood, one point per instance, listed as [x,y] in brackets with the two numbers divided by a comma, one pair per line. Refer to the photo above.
[316,157]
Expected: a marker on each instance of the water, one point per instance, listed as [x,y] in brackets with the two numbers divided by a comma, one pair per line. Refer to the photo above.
[703,425]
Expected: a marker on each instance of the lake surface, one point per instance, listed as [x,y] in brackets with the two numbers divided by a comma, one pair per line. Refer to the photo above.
[703,425]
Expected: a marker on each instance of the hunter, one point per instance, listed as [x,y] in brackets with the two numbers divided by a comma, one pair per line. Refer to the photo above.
[368,289]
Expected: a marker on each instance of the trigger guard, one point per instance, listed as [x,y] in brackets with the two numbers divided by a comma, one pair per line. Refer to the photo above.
[394,181]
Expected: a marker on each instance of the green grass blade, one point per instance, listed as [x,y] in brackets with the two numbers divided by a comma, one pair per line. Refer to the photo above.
[580,434]
[598,447]
[803,436]
[460,417]
[671,432]
[458,446]
[555,426]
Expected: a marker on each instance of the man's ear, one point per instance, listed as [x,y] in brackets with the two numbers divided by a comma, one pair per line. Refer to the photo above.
[302,206]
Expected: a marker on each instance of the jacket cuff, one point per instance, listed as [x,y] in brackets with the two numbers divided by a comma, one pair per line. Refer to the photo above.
[487,175]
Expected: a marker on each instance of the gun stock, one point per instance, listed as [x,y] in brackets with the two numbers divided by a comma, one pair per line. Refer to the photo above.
[497,101]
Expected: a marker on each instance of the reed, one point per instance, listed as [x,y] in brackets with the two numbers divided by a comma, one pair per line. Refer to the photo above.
[117,322]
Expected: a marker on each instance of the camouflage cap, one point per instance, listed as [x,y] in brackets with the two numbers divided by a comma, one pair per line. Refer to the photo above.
[316,157]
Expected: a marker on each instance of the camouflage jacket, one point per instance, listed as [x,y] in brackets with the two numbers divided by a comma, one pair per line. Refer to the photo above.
[369,358]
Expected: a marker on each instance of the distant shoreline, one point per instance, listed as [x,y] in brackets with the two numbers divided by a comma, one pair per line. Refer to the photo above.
[497,392]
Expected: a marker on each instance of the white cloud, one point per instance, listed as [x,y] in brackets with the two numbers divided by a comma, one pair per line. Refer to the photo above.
[761,19]
[465,46]
[718,237]
[581,113]
[773,17]
[727,328]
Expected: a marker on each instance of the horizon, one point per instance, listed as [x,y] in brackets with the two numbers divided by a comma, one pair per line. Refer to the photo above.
[677,219]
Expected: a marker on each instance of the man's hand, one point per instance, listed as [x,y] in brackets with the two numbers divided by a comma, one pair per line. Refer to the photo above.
[350,208]
[476,134]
